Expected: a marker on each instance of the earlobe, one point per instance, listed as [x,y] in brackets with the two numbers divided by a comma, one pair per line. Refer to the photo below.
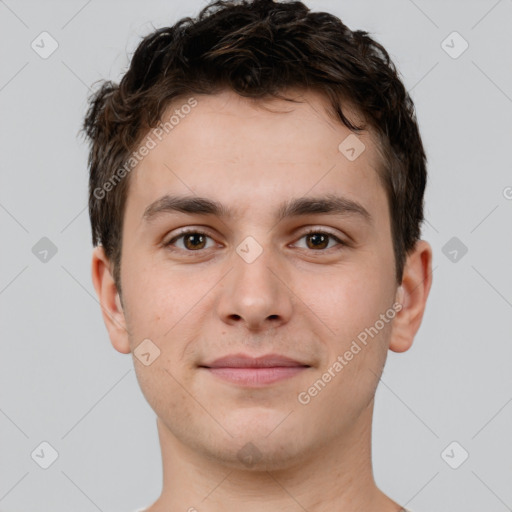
[108,296]
[412,294]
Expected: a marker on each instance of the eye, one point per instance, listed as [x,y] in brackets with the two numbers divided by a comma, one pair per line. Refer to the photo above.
[193,240]
[319,240]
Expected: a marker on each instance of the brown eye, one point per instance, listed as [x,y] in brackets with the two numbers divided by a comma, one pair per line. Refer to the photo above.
[319,240]
[192,240]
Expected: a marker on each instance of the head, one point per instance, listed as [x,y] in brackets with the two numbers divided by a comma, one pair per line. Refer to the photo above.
[259,50]
[249,106]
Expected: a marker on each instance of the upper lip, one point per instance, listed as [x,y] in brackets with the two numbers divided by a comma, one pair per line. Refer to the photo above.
[246,361]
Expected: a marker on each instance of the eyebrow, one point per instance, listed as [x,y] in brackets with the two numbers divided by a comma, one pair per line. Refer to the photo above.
[329,204]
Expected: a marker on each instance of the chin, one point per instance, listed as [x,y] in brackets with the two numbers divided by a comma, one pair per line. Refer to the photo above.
[261,447]
[258,456]
[265,426]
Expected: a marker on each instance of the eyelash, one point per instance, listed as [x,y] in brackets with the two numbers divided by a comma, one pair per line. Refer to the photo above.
[168,244]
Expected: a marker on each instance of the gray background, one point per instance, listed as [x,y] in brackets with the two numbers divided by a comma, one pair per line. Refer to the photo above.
[62,382]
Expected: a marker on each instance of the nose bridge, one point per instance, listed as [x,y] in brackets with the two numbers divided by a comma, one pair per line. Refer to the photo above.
[255,294]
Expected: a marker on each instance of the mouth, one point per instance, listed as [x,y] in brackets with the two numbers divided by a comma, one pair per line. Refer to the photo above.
[250,371]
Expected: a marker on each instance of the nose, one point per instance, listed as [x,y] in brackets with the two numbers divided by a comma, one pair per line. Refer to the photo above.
[256,294]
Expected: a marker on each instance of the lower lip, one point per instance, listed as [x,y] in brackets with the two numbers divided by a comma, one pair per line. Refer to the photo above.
[256,376]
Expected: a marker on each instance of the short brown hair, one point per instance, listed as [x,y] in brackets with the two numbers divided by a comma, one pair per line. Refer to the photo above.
[257,48]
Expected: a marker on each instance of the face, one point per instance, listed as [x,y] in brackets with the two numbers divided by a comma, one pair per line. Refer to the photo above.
[270,273]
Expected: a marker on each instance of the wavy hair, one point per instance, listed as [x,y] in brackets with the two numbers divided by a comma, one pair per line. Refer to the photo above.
[257,48]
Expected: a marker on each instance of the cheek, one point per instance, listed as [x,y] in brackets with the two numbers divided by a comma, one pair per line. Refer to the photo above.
[152,297]
[162,391]
[349,302]
[345,299]
[163,306]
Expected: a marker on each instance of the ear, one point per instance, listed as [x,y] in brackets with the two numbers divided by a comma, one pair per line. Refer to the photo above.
[412,294]
[108,296]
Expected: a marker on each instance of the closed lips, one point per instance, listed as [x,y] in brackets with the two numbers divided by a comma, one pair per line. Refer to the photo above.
[244,361]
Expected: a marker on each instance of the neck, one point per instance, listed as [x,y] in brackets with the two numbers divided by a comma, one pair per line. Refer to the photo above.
[335,477]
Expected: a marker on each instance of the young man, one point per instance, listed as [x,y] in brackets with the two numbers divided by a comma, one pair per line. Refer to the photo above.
[256,198]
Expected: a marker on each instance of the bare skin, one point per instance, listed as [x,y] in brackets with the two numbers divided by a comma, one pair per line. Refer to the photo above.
[227,446]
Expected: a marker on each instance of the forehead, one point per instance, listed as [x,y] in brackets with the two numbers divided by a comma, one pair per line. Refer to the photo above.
[228,117]
[257,149]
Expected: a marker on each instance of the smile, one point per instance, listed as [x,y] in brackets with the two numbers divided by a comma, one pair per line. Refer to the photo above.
[255,377]
[246,370]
